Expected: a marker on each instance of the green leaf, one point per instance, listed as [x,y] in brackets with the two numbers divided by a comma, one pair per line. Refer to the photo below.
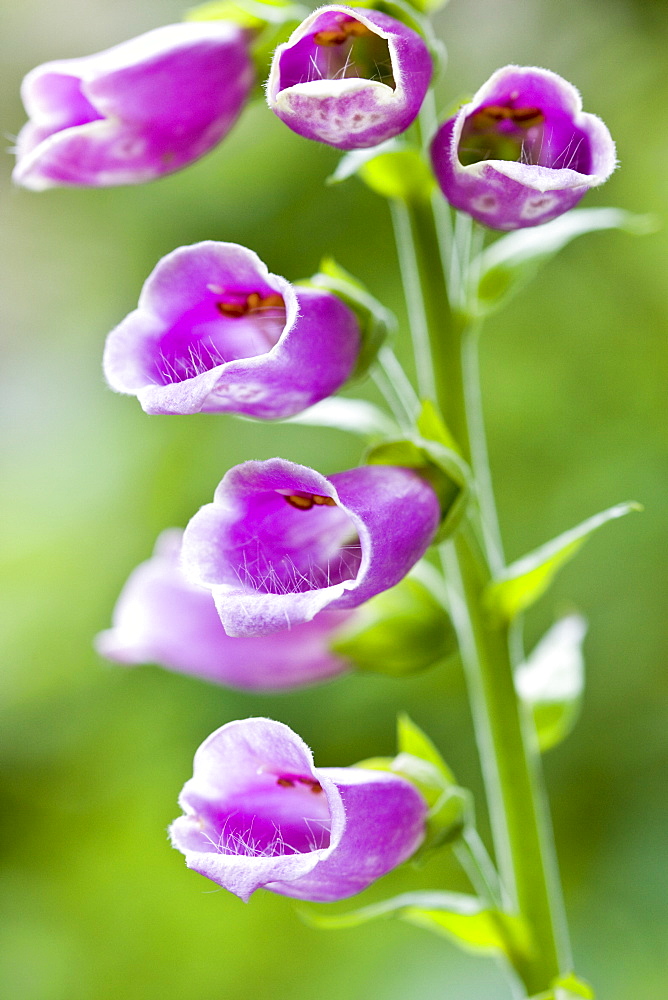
[254,14]
[402,175]
[351,163]
[462,918]
[399,632]
[472,926]
[441,466]
[522,583]
[551,681]
[388,908]
[374,319]
[513,260]
[354,415]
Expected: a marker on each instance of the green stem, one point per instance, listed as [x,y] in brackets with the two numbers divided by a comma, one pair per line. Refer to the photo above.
[509,758]
[391,387]
[430,315]
[478,441]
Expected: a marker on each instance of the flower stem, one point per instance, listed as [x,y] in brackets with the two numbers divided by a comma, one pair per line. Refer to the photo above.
[509,757]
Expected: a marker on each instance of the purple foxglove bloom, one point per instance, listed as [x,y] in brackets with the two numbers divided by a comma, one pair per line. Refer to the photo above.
[522,151]
[281,542]
[162,618]
[216,332]
[258,814]
[137,111]
[349,76]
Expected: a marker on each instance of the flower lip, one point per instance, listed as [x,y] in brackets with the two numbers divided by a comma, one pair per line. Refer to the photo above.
[312,541]
[204,311]
[256,810]
[135,111]
[281,542]
[528,124]
[351,77]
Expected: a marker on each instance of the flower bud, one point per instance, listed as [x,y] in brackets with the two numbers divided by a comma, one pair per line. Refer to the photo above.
[349,76]
[522,151]
[259,814]
[134,112]
[216,332]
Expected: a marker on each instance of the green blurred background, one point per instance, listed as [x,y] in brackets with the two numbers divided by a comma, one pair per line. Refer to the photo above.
[96,904]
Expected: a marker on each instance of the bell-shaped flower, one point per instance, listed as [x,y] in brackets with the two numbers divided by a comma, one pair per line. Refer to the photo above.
[281,542]
[522,151]
[258,814]
[134,112]
[162,618]
[216,332]
[349,76]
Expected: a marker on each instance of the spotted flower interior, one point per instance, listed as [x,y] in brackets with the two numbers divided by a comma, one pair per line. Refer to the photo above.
[518,130]
[338,47]
[227,325]
[293,541]
[270,814]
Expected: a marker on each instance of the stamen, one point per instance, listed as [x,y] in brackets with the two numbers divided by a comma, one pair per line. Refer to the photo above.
[304,501]
[314,786]
[254,303]
[495,113]
[285,783]
[346,30]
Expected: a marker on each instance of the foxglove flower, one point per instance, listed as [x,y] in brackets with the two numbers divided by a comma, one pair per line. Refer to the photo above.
[137,111]
[216,332]
[162,618]
[258,814]
[522,151]
[281,542]
[349,76]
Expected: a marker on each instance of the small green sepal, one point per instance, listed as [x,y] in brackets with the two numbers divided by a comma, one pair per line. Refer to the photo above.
[506,266]
[374,319]
[268,23]
[399,632]
[523,582]
[442,466]
[418,761]
[567,988]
